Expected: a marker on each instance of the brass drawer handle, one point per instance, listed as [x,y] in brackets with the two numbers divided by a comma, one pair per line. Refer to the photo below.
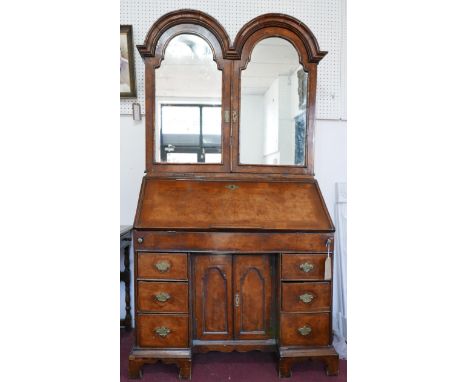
[305,330]
[306,297]
[162,297]
[162,266]
[306,267]
[162,331]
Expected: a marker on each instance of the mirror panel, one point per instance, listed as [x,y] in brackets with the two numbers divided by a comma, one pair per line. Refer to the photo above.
[188,103]
[272,128]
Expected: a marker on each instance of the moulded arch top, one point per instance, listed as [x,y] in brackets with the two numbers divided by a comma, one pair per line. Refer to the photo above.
[185,16]
[282,21]
[234,50]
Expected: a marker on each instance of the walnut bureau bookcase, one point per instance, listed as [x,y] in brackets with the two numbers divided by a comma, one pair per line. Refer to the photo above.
[233,241]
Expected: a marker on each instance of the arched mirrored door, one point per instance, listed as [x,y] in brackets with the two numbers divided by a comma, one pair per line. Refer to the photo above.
[272,106]
[188,103]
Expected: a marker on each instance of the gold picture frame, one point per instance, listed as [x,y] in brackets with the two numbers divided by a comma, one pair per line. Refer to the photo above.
[127,63]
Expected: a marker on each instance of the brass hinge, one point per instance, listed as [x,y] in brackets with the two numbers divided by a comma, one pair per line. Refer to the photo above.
[234,116]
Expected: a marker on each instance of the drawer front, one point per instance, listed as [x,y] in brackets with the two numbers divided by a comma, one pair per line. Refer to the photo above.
[165,297]
[231,241]
[305,329]
[163,331]
[303,266]
[305,297]
[162,266]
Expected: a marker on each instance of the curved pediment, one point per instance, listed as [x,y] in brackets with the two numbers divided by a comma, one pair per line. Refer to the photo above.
[232,50]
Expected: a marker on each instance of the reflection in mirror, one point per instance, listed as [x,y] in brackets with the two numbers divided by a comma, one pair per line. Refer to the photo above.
[188,103]
[273,106]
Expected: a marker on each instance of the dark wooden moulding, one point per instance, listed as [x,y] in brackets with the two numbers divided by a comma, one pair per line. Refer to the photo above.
[231,257]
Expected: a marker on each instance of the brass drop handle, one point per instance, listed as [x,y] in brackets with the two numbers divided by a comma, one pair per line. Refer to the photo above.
[162,331]
[306,298]
[162,297]
[306,267]
[140,240]
[162,266]
[305,330]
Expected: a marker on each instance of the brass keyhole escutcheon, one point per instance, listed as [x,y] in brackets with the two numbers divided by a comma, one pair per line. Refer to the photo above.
[232,187]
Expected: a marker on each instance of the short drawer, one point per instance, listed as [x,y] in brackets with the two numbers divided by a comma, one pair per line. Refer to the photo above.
[305,297]
[164,297]
[162,331]
[305,329]
[162,266]
[303,266]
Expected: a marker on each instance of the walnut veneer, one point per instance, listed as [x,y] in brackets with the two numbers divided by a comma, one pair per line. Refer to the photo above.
[231,257]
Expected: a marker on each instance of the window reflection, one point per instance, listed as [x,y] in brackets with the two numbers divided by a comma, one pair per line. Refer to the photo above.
[188,103]
[190,129]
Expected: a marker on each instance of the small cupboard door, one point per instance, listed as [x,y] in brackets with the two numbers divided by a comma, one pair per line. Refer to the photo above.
[213,297]
[252,297]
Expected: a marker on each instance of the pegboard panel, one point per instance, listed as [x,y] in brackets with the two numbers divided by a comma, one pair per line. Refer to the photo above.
[323,17]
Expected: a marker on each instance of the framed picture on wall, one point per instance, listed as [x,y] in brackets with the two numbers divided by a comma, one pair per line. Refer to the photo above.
[127,63]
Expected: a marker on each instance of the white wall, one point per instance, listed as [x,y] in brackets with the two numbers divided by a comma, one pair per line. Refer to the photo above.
[330,158]
[132,165]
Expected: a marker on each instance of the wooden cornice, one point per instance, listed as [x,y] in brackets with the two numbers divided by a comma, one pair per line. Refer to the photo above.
[231,51]
[183,16]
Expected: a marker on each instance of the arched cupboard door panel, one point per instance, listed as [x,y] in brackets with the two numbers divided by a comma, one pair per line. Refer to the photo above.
[252,297]
[213,297]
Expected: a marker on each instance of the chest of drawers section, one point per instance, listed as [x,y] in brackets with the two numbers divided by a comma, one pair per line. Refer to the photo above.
[162,311]
[305,310]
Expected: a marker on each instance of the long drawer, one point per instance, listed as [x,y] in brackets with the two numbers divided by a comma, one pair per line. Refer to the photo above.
[162,331]
[163,297]
[231,241]
[305,329]
[305,297]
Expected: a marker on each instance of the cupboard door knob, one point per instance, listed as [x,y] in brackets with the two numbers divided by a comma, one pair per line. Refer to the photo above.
[306,298]
[306,267]
[305,330]
[162,266]
[162,297]
[162,331]
[140,240]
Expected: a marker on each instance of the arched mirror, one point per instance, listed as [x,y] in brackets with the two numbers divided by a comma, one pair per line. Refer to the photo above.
[188,100]
[273,99]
